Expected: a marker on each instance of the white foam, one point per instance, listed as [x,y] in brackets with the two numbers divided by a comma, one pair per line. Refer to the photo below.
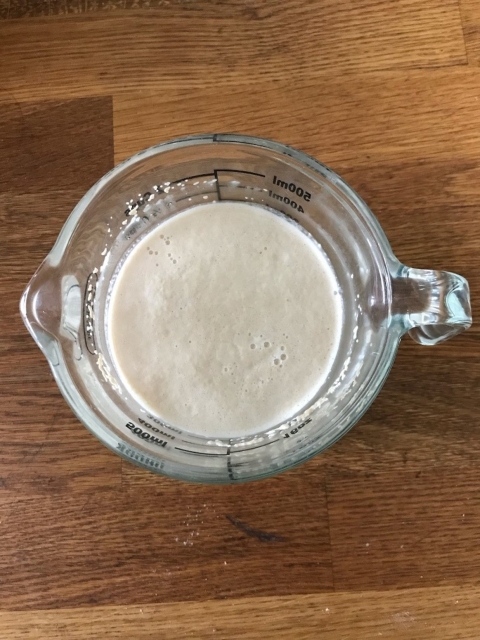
[232,328]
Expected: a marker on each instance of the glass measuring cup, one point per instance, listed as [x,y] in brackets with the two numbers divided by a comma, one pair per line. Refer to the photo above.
[65,304]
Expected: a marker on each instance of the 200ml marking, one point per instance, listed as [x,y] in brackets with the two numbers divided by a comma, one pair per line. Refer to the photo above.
[144,435]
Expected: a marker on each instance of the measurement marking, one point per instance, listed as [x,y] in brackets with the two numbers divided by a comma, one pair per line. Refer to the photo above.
[184,198]
[247,187]
[251,173]
[199,453]
[252,448]
[229,452]
[219,195]
[196,195]
[200,175]
[230,466]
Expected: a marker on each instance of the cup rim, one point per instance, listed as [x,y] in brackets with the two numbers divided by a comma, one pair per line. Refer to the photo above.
[225,138]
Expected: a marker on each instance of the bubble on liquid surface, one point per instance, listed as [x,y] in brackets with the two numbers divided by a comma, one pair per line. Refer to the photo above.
[283,357]
[266,344]
[252,346]
[276,361]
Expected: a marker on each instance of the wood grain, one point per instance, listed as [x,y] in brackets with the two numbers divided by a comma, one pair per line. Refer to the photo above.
[449,613]
[470,16]
[29,8]
[223,45]
[415,520]
[371,118]
[51,153]
[76,133]
[163,541]
[375,538]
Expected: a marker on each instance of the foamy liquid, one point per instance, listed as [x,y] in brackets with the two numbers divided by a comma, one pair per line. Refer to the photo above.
[225,320]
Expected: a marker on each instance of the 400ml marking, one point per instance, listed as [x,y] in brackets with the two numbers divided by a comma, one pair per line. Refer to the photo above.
[292,188]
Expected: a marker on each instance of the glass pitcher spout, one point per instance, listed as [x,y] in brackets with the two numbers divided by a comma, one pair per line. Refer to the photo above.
[41,309]
[432,306]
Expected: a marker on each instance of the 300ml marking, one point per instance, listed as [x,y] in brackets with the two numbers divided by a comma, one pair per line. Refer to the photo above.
[152,428]
[297,429]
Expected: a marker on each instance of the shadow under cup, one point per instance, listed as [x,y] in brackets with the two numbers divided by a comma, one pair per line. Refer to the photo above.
[74,284]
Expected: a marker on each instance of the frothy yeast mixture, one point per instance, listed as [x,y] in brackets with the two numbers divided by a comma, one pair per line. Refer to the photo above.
[225,319]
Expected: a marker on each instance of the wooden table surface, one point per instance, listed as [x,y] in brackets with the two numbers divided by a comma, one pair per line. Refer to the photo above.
[379,536]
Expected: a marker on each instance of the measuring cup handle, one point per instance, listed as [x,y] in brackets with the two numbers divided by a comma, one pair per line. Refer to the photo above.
[432,305]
